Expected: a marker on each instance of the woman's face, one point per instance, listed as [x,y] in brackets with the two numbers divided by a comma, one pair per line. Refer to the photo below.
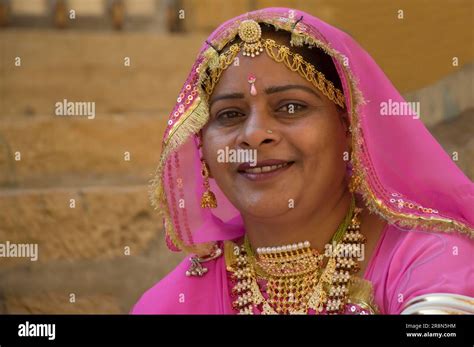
[307,137]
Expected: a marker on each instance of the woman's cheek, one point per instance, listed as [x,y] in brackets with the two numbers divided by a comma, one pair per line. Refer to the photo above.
[211,149]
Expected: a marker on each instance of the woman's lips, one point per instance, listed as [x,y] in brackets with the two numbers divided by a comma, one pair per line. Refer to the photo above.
[264,169]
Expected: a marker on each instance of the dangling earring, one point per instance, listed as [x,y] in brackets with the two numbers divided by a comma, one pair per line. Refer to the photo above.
[354,183]
[208,199]
[354,179]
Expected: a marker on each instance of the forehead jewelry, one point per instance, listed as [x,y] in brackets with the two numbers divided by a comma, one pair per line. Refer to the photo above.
[251,79]
[251,46]
[250,33]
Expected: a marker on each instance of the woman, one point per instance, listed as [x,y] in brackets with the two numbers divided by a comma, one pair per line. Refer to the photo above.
[294,193]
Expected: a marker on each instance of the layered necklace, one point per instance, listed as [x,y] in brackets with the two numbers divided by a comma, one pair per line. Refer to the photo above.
[295,279]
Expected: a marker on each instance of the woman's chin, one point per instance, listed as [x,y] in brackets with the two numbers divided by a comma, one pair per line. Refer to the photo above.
[265,210]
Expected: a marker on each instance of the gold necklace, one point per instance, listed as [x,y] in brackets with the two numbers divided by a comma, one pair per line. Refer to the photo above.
[295,279]
[290,271]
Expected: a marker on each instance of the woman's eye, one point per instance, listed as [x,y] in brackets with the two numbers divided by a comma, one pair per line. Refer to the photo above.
[229,115]
[291,108]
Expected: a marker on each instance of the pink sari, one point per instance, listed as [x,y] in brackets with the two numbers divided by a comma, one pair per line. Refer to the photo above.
[406,177]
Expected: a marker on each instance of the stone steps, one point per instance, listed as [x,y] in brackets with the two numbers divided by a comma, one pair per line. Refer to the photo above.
[91,67]
[106,251]
[99,223]
[61,151]
[99,284]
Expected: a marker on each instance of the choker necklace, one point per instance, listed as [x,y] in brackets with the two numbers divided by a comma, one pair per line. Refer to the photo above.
[286,261]
[291,279]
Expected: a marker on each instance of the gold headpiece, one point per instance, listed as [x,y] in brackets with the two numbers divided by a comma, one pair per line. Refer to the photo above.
[252,45]
[250,33]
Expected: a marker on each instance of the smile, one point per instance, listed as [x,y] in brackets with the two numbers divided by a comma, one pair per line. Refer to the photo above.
[264,169]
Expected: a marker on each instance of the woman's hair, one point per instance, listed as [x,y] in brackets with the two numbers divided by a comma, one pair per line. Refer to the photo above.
[314,55]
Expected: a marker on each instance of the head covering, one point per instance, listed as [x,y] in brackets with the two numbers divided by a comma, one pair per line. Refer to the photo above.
[405,176]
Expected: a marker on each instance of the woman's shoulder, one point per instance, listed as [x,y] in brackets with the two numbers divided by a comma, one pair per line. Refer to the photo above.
[414,248]
[410,263]
[179,293]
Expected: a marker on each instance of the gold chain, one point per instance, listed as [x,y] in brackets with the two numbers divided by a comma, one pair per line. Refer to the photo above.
[280,54]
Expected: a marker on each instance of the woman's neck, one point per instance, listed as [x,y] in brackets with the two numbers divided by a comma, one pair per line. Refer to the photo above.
[317,226]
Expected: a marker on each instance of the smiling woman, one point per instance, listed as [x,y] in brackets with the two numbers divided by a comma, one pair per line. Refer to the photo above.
[321,222]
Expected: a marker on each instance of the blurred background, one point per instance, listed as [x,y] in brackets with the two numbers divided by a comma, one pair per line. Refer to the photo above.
[130,58]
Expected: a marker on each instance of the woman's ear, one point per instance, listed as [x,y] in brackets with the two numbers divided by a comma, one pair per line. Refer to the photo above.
[344,120]
[200,136]
[347,127]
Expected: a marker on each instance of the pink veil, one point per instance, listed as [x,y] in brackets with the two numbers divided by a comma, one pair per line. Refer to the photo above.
[405,175]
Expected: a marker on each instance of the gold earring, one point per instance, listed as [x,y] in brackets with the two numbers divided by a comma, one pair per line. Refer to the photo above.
[354,182]
[354,179]
[208,199]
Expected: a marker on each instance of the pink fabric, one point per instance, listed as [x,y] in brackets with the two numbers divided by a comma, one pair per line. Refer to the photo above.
[405,168]
[405,264]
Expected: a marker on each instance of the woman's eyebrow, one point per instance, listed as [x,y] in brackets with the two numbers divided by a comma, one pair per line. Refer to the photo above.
[277,89]
[268,90]
[226,96]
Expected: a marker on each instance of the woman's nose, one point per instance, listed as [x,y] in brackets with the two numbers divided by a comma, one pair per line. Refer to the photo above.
[259,128]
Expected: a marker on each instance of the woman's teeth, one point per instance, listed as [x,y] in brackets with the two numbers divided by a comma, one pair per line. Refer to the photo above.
[257,170]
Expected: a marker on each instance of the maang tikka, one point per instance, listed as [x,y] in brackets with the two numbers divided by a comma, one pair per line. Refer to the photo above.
[250,33]
[252,45]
